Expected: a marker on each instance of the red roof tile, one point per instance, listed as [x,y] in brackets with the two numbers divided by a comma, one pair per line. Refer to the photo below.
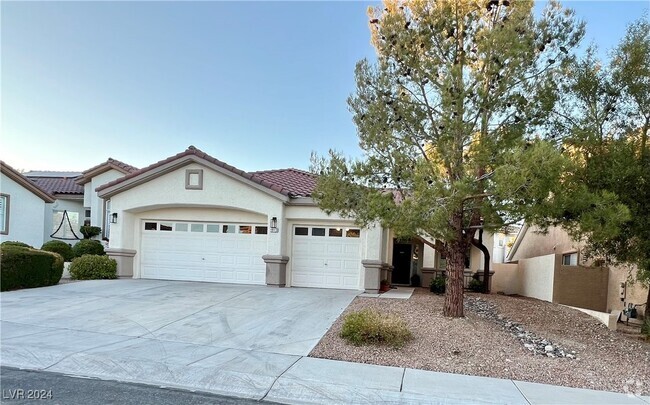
[58,185]
[289,182]
[299,182]
[19,178]
[111,163]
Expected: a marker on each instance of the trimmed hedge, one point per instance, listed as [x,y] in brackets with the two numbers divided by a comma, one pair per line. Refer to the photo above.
[28,268]
[59,247]
[88,247]
[93,267]
[16,243]
[90,231]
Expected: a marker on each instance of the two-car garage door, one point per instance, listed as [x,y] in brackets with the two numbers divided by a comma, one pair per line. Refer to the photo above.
[197,251]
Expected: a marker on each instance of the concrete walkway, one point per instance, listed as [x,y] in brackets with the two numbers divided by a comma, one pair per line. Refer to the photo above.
[244,341]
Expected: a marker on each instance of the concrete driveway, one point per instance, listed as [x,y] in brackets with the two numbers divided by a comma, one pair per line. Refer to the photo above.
[223,338]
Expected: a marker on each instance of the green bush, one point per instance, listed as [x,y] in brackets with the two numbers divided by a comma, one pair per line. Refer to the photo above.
[368,326]
[59,247]
[476,285]
[93,267]
[88,247]
[90,231]
[27,268]
[437,285]
[16,243]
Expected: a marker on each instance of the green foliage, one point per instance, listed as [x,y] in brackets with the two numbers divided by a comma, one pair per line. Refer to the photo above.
[59,247]
[476,285]
[645,328]
[16,243]
[90,231]
[604,119]
[448,117]
[27,268]
[437,285]
[368,326]
[93,267]
[88,247]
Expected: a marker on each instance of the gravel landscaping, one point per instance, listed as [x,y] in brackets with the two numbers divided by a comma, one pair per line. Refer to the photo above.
[505,337]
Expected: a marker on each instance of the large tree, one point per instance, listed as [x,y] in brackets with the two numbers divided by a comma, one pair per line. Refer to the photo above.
[604,116]
[447,116]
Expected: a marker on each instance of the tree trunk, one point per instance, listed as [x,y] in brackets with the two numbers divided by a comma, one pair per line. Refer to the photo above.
[454,284]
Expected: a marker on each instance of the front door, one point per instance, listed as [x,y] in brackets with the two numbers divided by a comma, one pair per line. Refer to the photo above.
[401,263]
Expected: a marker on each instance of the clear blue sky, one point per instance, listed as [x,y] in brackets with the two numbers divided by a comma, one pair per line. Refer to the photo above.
[259,85]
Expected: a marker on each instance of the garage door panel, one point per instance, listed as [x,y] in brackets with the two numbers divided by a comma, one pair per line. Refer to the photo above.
[203,256]
[325,261]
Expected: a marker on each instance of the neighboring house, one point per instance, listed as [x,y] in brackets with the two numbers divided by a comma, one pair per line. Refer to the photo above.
[552,266]
[69,198]
[23,208]
[96,210]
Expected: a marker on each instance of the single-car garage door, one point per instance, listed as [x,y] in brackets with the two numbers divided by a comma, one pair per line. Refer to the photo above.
[326,257]
[201,251]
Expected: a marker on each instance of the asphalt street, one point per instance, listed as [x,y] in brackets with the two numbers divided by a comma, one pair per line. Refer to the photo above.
[39,387]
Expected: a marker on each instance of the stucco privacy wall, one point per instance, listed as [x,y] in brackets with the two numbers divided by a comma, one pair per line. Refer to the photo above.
[536,277]
[579,286]
[505,278]
[91,199]
[26,213]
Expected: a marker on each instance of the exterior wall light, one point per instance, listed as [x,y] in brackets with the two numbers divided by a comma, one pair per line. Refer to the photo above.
[274,225]
[114,218]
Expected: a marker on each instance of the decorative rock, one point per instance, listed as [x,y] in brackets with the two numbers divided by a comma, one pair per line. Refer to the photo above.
[548,348]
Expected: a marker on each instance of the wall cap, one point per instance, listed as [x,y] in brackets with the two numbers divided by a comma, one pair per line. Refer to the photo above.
[275,259]
[121,252]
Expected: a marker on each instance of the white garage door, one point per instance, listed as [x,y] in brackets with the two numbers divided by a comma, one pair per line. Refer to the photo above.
[198,251]
[326,257]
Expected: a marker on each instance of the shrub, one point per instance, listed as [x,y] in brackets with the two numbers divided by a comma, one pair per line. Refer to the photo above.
[93,267]
[437,285]
[476,285]
[645,328]
[415,281]
[88,247]
[15,243]
[368,326]
[59,247]
[90,231]
[27,268]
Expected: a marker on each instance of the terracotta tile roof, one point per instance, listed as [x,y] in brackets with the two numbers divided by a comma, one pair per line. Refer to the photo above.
[19,178]
[58,185]
[299,182]
[289,182]
[111,163]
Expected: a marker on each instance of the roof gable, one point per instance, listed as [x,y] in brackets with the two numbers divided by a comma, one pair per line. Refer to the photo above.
[191,154]
[299,182]
[16,176]
[110,164]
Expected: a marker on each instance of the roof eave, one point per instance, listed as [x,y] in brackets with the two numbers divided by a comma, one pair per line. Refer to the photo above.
[26,183]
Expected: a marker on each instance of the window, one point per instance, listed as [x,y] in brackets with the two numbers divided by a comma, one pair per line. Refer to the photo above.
[196,228]
[60,223]
[194,179]
[442,261]
[87,213]
[261,230]
[338,232]
[352,233]
[245,229]
[570,259]
[317,231]
[4,214]
[181,227]
[164,226]
[229,228]
[150,226]
[212,228]
[301,231]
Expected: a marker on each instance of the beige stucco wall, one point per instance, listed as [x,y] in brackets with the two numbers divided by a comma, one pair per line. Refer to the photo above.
[635,292]
[505,278]
[92,201]
[26,214]
[578,286]
[556,241]
[536,277]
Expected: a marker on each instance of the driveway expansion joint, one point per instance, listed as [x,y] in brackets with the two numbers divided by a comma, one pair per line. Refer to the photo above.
[278,377]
